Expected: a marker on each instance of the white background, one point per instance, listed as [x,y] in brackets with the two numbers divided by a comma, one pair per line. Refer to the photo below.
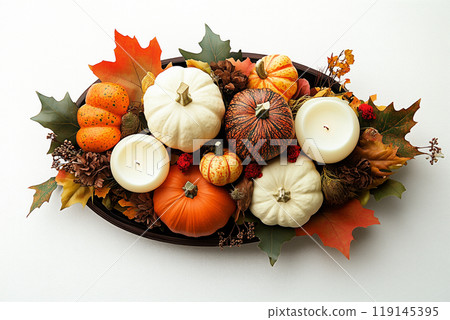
[401,52]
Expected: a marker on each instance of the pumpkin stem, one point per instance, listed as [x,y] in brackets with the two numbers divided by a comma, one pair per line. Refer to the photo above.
[260,69]
[184,98]
[218,149]
[262,110]
[282,195]
[190,190]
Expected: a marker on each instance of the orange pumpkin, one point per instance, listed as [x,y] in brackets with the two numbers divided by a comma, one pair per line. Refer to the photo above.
[275,72]
[220,167]
[190,205]
[101,116]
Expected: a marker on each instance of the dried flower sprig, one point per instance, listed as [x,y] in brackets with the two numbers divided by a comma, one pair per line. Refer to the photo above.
[435,152]
[236,240]
[64,156]
[338,66]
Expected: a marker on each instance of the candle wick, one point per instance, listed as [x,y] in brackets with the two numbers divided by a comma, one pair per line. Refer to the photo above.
[137,162]
[326,127]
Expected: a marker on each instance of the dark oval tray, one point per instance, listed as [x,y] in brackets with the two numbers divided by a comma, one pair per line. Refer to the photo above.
[118,219]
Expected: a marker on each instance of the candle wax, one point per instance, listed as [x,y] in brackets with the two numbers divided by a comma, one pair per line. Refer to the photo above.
[327,128]
[140,163]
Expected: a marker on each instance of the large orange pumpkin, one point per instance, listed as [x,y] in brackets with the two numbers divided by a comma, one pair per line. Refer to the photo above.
[101,116]
[257,116]
[275,72]
[190,205]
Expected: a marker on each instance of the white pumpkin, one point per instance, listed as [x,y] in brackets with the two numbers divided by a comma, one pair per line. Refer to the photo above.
[287,195]
[184,104]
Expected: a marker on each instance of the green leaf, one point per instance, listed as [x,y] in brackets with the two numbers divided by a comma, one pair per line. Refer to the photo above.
[394,125]
[236,55]
[364,197]
[60,117]
[107,202]
[389,188]
[272,238]
[213,49]
[43,193]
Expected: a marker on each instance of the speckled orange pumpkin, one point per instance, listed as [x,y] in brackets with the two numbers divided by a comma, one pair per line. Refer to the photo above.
[101,116]
[220,167]
[275,72]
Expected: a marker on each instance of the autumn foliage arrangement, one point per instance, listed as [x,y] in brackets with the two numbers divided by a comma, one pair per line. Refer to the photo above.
[244,105]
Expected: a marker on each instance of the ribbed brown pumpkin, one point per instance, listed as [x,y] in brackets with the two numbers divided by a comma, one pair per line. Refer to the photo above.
[256,114]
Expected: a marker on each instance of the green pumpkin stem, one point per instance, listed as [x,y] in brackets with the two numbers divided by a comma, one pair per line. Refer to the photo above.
[260,69]
[262,110]
[218,149]
[282,195]
[184,98]
[190,190]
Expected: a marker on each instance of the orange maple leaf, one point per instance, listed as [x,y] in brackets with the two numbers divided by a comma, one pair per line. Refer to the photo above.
[334,226]
[245,66]
[130,212]
[101,192]
[131,65]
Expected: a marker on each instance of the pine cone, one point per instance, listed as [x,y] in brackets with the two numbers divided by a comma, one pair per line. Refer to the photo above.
[344,182]
[144,209]
[357,177]
[336,191]
[230,80]
[91,169]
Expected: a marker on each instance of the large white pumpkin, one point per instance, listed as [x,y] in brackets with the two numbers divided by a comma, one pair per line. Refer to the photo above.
[184,104]
[287,195]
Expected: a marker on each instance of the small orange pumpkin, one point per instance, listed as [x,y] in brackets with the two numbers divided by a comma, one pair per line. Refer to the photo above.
[101,116]
[275,72]
[220,167]
[190,205]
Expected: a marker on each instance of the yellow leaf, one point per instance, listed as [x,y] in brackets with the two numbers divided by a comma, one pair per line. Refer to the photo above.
[349,56]
[169,65]
[199,65]
[322,93]
[147,81]
[72,192]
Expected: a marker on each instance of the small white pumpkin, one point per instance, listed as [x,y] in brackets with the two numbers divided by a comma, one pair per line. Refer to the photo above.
[184,104]
[287,195]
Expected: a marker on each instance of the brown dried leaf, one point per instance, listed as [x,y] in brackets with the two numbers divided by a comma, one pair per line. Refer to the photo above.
[383,158]
[242,194]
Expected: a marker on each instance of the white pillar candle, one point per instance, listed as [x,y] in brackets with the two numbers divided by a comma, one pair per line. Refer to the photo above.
[327,129]
[140,163]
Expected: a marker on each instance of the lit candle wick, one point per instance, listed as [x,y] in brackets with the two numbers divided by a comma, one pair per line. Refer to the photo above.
[326,127]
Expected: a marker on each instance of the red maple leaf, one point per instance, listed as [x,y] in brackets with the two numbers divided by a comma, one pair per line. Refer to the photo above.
[131,65]
[245,66]
[334,226]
